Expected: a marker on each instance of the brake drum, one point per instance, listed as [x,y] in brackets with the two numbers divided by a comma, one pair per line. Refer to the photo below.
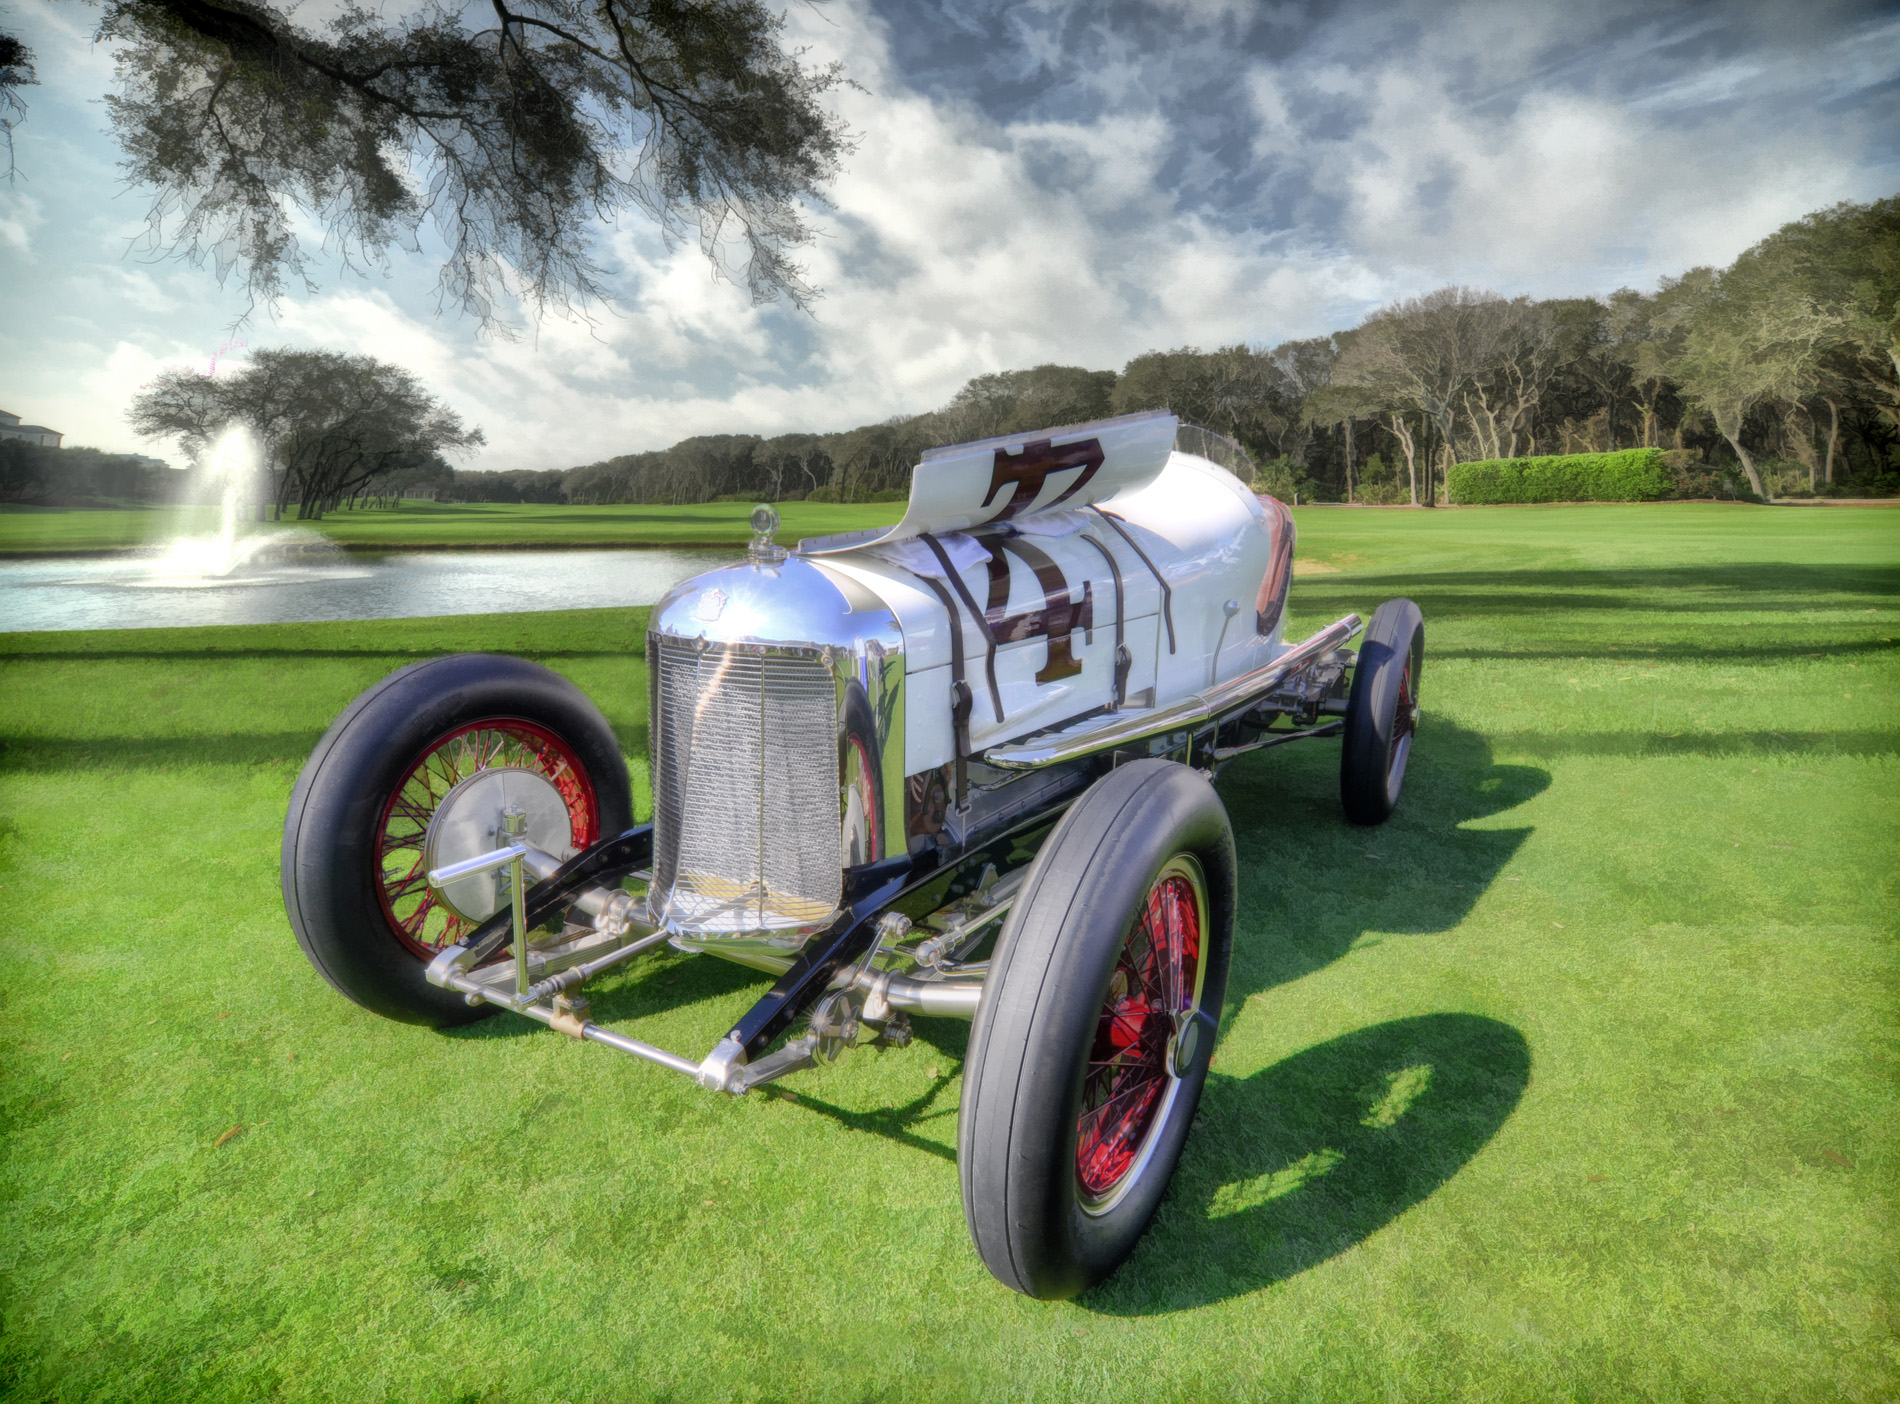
[468,823]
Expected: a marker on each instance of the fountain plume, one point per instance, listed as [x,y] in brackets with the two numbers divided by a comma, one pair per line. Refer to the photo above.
[235,465]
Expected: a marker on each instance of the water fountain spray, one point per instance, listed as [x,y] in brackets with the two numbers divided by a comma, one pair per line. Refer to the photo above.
[235,464]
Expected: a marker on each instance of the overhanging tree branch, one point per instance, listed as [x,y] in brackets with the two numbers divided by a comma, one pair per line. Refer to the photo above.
[511,142]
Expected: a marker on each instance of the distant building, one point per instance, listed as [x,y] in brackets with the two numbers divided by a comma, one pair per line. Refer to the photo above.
[11,428]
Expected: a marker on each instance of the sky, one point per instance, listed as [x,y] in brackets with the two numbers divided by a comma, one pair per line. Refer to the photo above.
[1036,181]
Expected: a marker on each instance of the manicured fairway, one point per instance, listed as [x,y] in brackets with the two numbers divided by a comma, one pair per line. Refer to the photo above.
[1579,1080]
[26,531]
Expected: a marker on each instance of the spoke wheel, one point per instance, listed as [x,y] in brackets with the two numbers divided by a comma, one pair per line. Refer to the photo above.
[1404,723]
[358,829]
[417,915]
[1152,996]
[1098,1017]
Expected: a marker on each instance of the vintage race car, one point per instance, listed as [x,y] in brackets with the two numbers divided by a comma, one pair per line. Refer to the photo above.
[956,767]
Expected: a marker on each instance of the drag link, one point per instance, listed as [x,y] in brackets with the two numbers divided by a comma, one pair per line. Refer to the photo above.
[574,1028]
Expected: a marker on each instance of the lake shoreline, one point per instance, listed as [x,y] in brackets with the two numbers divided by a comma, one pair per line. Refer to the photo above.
[360,548]
[124,589]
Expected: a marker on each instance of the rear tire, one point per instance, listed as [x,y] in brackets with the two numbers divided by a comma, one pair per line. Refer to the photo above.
[1091,1045]
[352,854]
[1382,712]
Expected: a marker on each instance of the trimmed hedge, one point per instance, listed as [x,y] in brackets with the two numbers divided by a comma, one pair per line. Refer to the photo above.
[1629,475]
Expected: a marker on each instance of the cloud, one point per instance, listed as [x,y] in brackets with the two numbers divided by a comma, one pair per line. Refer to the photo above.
[1482,150]
[20,215]
[1057,180]
[954,245]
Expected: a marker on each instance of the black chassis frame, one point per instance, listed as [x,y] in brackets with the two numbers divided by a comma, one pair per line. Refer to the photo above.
[917,884]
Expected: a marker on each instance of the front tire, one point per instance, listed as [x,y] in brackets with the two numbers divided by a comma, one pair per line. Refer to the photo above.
[1091,1045]
[353,854]
[1382,712]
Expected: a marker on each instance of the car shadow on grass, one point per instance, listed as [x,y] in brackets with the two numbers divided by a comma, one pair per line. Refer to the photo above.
[1701,588]
[1313,886]
[894,1123]
[1299,1162]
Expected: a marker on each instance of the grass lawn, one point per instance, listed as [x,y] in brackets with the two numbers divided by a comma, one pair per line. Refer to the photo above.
[1575,1081]
[26,531]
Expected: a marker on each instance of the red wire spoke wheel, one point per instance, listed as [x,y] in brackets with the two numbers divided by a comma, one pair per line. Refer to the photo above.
[1091,1042]
[354,872]
[1404,723]
[416,913]
[1131,1073]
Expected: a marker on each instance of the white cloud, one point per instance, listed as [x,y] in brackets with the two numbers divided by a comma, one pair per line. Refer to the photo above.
[1379,153]
[89,409]
[944,256]
[20,215]
[1545,188]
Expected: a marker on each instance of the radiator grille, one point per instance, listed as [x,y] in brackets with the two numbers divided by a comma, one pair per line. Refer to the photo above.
[745,788]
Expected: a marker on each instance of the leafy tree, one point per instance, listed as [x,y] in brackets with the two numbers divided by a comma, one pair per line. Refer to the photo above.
[1296,370]
[332,425]
[510,138]
[1242,392]
[1518,347]
[508,485]
[65,477]
[793,463]
[1042,397]
[1345,405]
[1163,380]
[1745,340]
[1627,355]
[1845,261]
[877,458]
[1422,353]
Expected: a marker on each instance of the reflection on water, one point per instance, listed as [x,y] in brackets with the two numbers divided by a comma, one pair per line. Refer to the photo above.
[281,587]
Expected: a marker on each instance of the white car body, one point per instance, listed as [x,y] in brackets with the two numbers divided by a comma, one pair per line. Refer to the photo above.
[1034,529]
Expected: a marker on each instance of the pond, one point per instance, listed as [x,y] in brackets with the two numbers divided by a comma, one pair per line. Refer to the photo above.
[142,592]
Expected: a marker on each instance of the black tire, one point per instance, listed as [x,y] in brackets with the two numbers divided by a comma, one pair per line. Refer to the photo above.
[333,867]
[1045,1009]
[1382,712]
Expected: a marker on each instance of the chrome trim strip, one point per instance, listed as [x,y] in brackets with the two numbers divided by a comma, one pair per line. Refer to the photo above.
[1125,727]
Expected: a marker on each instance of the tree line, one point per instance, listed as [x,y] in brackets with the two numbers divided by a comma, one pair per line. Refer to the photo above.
[1778,375]
[40,476]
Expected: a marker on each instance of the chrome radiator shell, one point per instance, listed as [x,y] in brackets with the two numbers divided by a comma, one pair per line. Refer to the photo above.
[777,715]
[745,759]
